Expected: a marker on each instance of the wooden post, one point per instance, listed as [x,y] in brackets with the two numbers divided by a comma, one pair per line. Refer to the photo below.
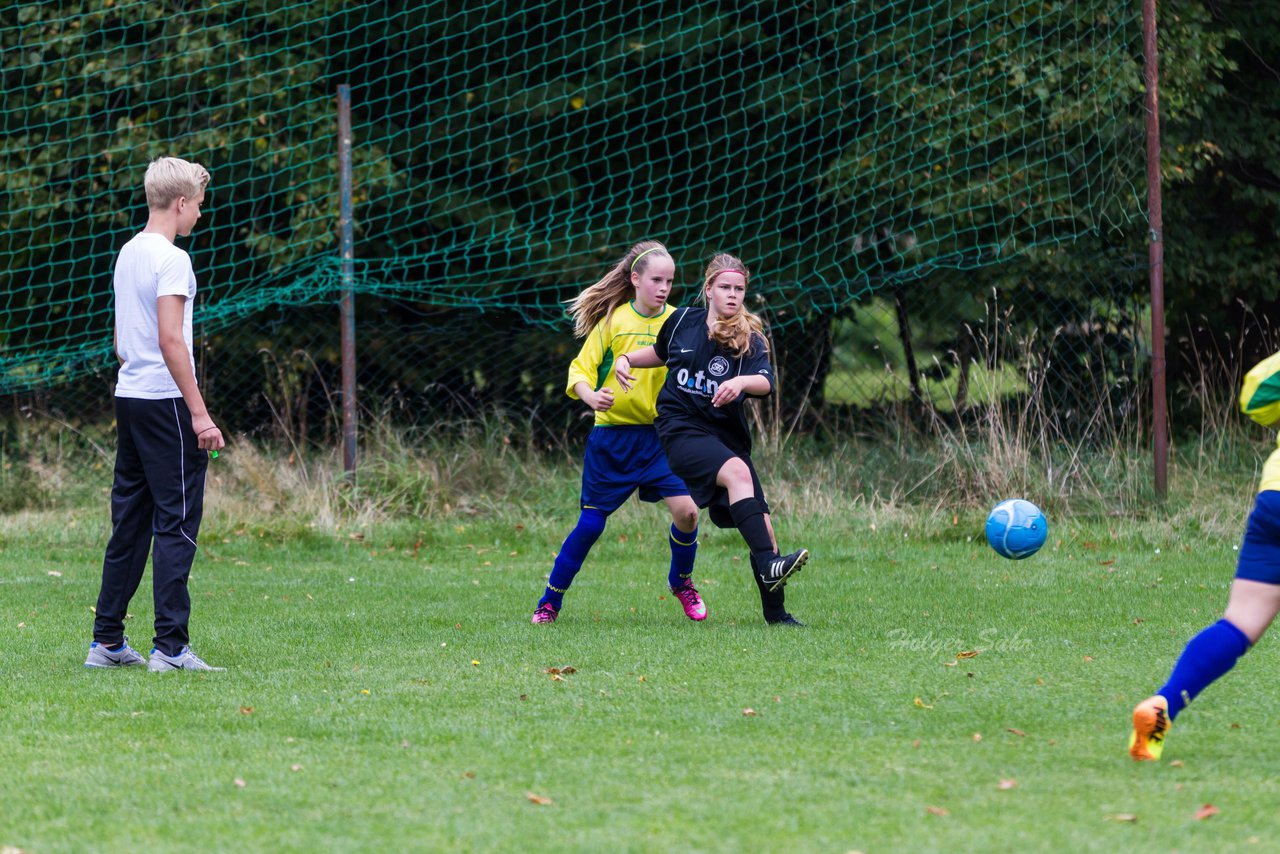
[1155,213]
[346,301]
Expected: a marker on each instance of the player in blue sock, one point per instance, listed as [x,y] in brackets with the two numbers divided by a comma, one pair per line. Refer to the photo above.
[623,311]
[1255,593]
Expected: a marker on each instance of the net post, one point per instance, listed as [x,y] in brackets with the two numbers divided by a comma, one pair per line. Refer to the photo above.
[1155,250]
[346,301]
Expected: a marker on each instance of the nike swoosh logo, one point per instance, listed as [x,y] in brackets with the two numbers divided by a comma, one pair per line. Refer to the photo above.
[685,351]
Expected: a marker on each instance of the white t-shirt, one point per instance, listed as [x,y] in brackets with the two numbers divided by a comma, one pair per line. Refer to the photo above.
[149,267]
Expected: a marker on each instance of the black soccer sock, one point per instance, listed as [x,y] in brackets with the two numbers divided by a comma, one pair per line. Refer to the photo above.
[771,601]
[748,517]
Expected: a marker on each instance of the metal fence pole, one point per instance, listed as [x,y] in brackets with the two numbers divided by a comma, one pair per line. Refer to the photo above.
[1155,212]
[346,302]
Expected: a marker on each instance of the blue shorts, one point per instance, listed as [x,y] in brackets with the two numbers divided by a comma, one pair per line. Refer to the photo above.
[1260,552]
[621,460]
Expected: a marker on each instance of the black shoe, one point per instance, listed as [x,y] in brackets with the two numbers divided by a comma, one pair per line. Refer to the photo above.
[785,620]
[777,570]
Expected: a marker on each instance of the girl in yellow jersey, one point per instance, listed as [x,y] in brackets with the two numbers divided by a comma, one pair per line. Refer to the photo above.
[1255,593]
[621,312]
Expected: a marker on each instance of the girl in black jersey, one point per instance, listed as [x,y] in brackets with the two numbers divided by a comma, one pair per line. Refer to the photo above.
[716,356]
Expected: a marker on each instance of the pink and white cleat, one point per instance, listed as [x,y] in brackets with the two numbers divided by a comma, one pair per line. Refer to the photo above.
[694,607]
[546,613]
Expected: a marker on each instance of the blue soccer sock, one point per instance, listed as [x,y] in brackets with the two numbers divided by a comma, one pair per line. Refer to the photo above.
[1206,657]
[684,546]
[572,553]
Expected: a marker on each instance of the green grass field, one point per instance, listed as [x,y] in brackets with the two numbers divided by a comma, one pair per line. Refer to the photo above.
[385,691]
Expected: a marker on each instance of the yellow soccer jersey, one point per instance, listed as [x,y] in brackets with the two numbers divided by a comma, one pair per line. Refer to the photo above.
[1260,400]
[1271,472]
[628,330]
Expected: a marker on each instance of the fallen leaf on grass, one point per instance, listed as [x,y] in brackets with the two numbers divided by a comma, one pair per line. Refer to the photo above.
[246,710]
[972,653]
[539,799]
[1121,816]
[921,703]
[749,713]
[939,811]
[1007,784]
[295,767]
[239,783]
[977,737]
[558,670]
[55,573]
[1016,731]
[1206,811]
[1177,763]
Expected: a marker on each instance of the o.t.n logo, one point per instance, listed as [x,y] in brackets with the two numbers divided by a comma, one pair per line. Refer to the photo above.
[719,366]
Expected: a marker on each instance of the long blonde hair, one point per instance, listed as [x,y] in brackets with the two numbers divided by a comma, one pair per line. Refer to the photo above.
[732,333]
[598,301]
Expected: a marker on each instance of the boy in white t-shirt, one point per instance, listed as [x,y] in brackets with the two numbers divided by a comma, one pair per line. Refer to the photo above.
[163,430]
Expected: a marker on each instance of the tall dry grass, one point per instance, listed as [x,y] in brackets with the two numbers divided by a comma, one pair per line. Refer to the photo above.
[925,470]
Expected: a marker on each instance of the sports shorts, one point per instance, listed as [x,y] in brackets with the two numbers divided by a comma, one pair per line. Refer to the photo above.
[622,459]
[1260,553]
[696,458]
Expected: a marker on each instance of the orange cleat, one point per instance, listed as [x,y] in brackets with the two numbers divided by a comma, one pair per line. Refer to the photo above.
[1150,724]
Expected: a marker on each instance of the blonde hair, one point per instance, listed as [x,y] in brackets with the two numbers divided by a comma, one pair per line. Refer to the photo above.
[736,333]
[598,301]
[169,178]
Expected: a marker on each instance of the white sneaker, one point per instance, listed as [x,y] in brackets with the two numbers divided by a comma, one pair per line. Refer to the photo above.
[125,656]
[184,660]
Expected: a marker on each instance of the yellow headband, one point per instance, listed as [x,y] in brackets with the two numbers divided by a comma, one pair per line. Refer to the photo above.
[641,255]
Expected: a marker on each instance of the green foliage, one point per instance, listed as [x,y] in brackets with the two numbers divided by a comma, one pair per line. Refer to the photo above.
[1222,192]
[503,155]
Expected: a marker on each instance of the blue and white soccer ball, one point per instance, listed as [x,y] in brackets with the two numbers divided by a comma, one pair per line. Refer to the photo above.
[1016,529]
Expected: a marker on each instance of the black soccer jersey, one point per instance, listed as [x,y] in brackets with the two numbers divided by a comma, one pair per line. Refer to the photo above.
[695,368]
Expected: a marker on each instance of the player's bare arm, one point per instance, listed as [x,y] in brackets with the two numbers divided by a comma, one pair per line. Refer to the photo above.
[599,401]
[169,313]
[731,390]
[645,357]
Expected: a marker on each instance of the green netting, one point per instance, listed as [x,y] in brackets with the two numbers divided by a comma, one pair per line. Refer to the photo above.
[505,152]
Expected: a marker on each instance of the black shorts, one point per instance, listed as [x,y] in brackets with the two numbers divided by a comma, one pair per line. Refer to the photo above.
[696,458]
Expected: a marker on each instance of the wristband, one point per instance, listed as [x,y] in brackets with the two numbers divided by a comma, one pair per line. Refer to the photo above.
[207,429]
